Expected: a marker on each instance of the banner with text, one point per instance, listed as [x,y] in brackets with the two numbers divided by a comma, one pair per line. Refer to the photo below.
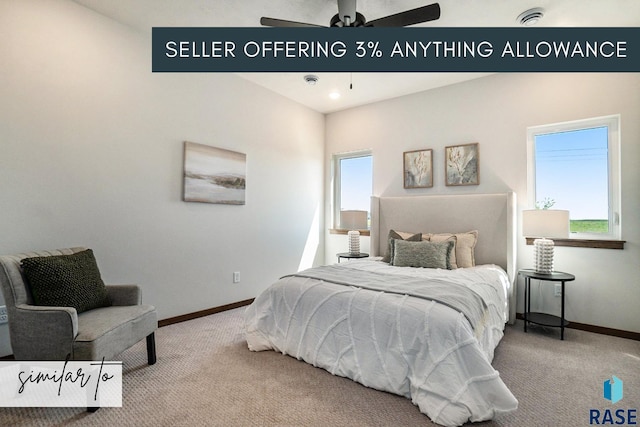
[417,49]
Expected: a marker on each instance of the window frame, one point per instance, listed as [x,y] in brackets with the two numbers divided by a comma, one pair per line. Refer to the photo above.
[336,178]
[612,123]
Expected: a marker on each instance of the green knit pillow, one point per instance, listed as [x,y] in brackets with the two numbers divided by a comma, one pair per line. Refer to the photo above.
[399,235]
[422,254]
[66,281]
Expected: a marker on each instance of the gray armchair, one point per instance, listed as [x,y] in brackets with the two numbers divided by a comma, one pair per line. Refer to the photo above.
[55,333]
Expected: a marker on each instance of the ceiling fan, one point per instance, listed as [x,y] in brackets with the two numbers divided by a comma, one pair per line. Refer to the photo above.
[348,17]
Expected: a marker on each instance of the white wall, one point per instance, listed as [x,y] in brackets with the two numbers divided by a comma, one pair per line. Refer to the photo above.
[495,112]
[91,153]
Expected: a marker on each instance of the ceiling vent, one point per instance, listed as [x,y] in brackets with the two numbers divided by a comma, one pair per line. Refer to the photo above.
[530,17]
[311,79]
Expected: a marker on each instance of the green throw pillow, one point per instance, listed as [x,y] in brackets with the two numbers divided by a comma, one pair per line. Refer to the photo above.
[399,235]
[422,254]
[66,281]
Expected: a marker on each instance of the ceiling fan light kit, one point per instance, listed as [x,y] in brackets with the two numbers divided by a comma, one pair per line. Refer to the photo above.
[347,16]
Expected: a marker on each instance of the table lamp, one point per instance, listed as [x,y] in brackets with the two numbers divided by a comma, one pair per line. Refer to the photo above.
[353,221]
[545,224]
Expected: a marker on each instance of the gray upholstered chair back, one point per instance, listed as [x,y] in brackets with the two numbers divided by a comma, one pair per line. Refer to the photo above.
[14,285]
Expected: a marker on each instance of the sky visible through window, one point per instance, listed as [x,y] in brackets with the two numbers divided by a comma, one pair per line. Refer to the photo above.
[572,169]
[356,183]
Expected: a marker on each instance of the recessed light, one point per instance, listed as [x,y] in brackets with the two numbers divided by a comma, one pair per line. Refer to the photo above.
[530,17]
[334,95]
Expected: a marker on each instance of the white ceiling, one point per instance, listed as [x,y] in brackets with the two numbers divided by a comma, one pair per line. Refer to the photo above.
[142,15]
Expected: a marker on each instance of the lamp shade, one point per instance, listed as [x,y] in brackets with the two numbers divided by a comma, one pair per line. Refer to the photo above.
[353,220]
[550,223]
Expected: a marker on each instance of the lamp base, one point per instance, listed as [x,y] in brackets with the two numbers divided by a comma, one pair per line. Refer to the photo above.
[354,242]
[543,256]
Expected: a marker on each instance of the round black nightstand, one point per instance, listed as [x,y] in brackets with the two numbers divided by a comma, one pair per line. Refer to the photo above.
[350,255]
[543,318]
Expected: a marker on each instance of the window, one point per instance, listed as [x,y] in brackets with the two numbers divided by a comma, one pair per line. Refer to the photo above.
[352,183]
[575,166]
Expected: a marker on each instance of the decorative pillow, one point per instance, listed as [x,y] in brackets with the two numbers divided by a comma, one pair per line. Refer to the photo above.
[465,248]
[66,281]
[447,237]
[422,254]
[464,251]
[399,235]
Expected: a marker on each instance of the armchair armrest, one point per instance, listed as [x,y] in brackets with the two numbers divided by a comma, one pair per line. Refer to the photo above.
[124,294]
[46,333]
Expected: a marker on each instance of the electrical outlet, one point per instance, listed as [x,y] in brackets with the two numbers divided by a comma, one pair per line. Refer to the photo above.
[236,277]
[4,318]
[558,290]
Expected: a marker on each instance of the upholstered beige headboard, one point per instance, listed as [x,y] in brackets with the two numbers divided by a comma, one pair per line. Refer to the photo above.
[493,215]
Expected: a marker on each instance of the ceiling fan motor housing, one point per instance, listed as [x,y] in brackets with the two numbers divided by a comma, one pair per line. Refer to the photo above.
[337,22]
[347,10]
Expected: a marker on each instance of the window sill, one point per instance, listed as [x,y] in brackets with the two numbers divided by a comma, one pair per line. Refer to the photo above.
[585,243]
[340,231]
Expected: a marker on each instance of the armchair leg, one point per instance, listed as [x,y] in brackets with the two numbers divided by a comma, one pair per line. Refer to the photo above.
[151,348]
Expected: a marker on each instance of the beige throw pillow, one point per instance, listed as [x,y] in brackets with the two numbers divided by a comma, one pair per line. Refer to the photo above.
[465,244]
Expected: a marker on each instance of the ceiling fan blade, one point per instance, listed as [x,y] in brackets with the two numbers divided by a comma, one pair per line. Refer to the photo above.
[347,11]
[274,22]
[410,17]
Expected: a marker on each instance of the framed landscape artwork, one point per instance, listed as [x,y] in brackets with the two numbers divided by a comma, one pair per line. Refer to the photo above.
[418,169]
[214,175]
[462,164]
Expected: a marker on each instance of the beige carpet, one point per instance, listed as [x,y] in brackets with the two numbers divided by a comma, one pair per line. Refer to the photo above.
[205,376]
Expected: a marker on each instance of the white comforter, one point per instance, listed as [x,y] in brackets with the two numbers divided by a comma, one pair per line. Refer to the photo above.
[414,347]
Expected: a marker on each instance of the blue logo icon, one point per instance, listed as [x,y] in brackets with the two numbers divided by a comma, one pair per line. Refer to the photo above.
[613,389]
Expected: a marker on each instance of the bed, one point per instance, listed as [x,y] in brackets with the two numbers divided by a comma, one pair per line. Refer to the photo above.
[428,334]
